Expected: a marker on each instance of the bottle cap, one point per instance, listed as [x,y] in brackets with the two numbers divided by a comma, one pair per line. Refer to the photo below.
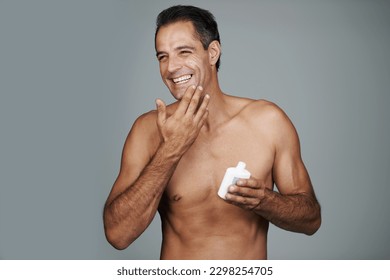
[241,165]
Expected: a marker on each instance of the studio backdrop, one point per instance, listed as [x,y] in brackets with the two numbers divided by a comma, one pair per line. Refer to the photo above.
[74,76]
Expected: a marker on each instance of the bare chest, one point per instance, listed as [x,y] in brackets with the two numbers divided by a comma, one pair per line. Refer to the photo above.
[200,171]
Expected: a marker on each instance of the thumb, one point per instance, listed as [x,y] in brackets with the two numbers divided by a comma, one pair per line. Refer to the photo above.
[161,112]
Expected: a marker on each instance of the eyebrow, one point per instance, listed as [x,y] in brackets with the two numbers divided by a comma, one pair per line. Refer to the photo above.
[178,48]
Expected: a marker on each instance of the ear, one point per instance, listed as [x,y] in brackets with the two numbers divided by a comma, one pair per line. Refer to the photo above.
[214,52]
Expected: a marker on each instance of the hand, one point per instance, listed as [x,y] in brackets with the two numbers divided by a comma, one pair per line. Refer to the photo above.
[182,128]
[247,193]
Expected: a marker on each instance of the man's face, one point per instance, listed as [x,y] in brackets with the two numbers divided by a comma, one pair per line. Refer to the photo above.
[182,58]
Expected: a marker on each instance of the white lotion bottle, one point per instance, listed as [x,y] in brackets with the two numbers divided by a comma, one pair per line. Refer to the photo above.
[232,175]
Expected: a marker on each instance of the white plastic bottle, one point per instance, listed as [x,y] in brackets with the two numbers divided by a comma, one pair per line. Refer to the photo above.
[232,174]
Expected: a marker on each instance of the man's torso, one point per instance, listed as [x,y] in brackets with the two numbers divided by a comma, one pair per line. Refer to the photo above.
[196,222]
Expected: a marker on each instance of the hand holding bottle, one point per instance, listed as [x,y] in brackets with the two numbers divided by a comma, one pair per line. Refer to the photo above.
[232,175]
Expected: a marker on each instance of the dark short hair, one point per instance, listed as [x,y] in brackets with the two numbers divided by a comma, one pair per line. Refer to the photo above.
[204,23]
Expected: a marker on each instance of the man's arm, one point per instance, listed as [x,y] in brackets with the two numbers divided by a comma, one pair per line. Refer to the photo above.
[295,206]
[136,193]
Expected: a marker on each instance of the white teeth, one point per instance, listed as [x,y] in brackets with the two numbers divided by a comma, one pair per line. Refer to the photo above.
[181,79]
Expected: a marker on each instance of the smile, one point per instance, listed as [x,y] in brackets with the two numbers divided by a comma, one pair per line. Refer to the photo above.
[182,79]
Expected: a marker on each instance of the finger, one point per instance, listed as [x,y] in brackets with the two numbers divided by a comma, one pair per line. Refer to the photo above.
[249,183]
[194,101]
[203,119]
[243,191]
[161,112]
[185,101]
[241,201]
[202,109]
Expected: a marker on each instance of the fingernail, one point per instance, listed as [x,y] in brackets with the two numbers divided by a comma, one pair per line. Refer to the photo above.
[207,96]
[193,86]
[200,87]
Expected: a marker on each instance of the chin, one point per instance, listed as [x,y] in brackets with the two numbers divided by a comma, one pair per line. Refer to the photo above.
[178,92]
[178,95]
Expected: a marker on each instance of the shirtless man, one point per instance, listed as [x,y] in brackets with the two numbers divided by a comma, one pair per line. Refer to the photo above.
[175,157]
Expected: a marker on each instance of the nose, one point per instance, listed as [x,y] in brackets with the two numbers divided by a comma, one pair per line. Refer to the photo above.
[174,64]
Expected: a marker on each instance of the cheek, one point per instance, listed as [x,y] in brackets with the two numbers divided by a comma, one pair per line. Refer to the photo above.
[199,66]
[193,63]
[162,70]
[196,62]
[163,73]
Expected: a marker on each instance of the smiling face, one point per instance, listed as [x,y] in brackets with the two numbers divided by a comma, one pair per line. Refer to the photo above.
[182,58]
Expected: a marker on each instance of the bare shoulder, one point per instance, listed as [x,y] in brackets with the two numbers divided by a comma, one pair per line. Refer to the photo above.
[143,138]
[265,113]
[270,122]
[146,121]
[145,126]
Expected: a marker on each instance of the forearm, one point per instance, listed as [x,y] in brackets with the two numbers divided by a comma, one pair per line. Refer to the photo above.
[129,213]
[296,212]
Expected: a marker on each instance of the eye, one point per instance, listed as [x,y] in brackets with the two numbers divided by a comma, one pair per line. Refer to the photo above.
[161,58]
[185,52]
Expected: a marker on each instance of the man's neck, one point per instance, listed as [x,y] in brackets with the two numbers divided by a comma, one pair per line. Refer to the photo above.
[218,109]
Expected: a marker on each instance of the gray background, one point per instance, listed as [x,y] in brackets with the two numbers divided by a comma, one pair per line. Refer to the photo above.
[74,75]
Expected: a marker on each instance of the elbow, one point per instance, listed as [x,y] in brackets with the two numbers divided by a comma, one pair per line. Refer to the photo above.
[117,240]
[314,227]
[315,224]
[117,244]
[115,235]
[112,230]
